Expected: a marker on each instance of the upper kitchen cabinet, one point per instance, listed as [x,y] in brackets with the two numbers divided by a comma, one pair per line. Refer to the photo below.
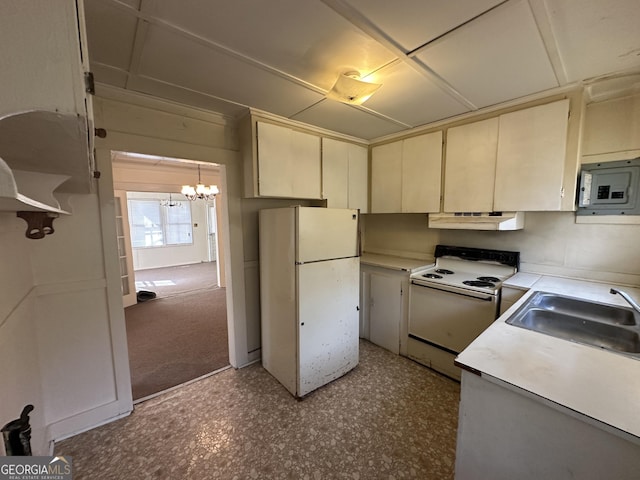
[45,114]
[280,162]
[470,167]
[525,160]
[530,165]
[345,175]
[406,175]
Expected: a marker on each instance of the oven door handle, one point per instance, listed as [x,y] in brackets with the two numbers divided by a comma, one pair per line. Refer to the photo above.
[459,291]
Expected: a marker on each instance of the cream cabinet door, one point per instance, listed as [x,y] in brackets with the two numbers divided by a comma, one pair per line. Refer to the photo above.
[43,69]
[421,173]
[385,311]
[289,163]
[386,178]
[470,167]
[335,173]
[307,165]
[532,146]
[344,175]
[358,178]
[406,175]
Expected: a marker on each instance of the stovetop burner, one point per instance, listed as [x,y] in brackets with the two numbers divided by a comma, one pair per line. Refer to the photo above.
[431,275]
[489,279]
[479,283]
[465,269]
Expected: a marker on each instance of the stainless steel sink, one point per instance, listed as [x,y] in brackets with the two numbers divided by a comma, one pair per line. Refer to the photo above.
[581,321]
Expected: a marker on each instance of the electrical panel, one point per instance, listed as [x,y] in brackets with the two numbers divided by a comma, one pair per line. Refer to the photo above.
[609,188]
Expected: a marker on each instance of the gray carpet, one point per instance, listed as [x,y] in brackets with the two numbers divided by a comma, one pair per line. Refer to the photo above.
[179,336]
[183,278]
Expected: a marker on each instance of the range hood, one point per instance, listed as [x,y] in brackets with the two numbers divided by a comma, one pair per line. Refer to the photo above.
[477,221]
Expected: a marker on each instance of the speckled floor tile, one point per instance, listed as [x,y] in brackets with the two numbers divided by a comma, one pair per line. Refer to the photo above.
[390,418]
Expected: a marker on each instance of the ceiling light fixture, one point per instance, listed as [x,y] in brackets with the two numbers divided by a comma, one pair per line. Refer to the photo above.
[170,203]
[200,191]
[351,90]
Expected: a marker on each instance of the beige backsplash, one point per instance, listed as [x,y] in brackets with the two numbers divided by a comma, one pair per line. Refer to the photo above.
[550,243]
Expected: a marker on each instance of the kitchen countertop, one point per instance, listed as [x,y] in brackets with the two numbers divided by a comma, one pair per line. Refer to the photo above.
[602,385]
[394,263]
[521,281]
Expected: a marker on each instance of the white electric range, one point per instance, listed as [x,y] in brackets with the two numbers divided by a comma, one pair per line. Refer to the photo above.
[453,301]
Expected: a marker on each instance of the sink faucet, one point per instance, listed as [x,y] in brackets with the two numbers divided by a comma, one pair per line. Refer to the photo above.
[626,296]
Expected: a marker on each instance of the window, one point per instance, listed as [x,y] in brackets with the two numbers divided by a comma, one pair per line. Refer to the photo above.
[156,225]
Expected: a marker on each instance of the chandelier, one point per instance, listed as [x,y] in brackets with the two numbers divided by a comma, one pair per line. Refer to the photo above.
[170,203]
[200,191]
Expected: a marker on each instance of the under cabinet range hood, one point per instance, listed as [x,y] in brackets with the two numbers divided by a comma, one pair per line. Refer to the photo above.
[477,221]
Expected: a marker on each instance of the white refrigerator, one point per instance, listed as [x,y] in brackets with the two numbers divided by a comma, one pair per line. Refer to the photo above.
[309,294]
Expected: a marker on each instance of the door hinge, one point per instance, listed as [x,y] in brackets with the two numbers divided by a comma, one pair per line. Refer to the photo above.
[562,192]
[89,85]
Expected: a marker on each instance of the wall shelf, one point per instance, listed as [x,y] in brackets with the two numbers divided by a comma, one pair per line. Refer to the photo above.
[30,195]
[48,143]
[29,191]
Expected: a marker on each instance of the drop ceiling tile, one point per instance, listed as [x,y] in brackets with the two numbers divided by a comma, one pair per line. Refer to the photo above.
[109,75]
[172,58]
[411,98]
[497,57]
[412,23]
[596,37]
[305,39]
[158,89]
[346,119]
[110,33]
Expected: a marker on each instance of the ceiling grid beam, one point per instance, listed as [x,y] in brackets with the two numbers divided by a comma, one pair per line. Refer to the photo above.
[541,15]
[354,17]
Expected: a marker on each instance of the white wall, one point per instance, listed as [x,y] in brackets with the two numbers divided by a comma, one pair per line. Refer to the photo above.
[56,344]
[173,255]
[20,372]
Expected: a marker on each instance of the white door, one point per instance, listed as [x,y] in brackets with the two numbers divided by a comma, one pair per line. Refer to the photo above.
[326,233]
[327,321]
[127,275]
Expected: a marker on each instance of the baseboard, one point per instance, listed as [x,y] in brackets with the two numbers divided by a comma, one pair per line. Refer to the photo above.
[88,420]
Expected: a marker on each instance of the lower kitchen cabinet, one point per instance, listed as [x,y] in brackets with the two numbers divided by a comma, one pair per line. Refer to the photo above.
[385,310]
[384,297]
[505,432]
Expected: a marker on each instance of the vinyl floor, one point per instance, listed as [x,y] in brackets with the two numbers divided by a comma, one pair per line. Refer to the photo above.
[389,418]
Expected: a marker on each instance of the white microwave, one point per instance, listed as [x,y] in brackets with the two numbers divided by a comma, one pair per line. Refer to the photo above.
[609,188]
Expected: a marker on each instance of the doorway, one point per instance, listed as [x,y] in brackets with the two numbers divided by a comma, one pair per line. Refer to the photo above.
[165,244]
